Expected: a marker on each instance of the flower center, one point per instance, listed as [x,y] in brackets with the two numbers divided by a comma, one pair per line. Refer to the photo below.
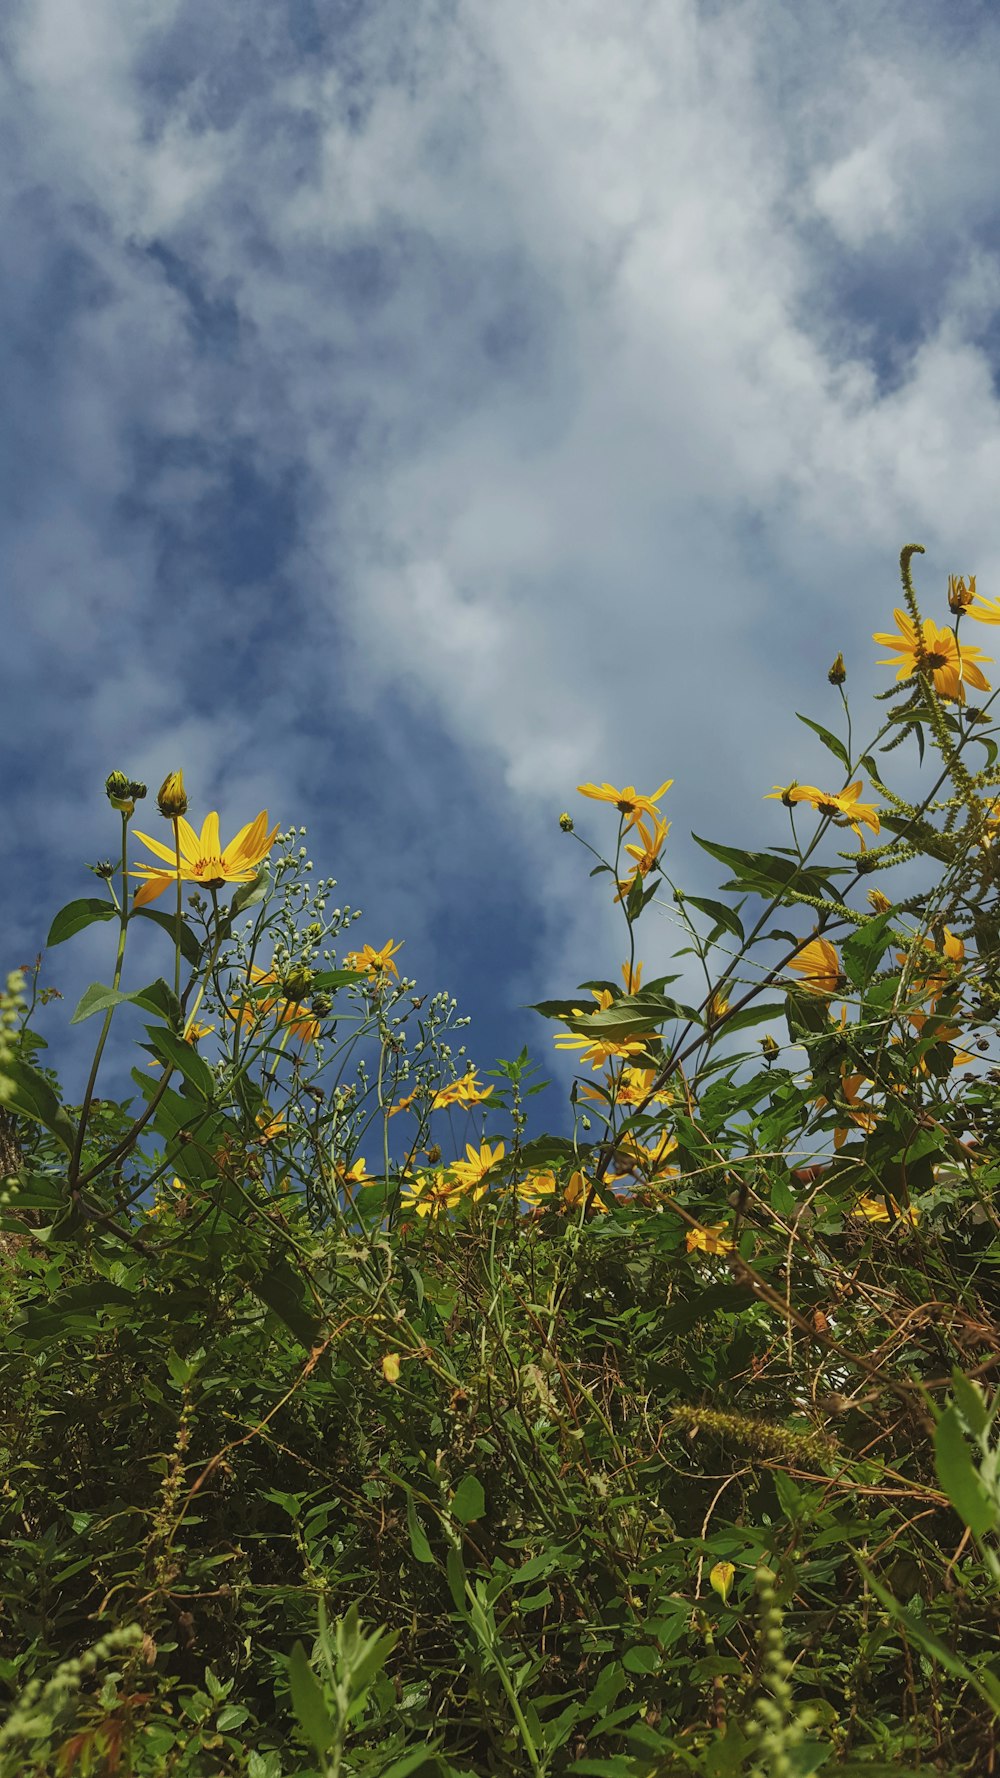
[935,661]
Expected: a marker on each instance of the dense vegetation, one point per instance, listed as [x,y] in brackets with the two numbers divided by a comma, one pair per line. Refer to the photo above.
[345,1430]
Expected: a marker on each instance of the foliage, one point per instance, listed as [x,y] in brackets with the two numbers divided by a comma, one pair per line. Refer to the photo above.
[669,1446]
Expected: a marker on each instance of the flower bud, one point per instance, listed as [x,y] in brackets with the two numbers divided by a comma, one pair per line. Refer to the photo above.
[119,792]
[171,798]
[720,1579]
[321,1005]
[960,596]
[838,672]
[566,823]
[769,1046]
[297,983]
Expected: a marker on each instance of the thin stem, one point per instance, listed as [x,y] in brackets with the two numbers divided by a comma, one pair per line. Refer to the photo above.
[123,918]
[177,927]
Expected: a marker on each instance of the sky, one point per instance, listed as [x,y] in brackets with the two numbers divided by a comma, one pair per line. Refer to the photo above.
[415,408]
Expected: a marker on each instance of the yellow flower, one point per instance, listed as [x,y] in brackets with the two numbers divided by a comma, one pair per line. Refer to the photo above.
[647,856]
[960,596]
[708,1240]
[580,1190]
[203,860]
[599,1051]
[878,901]
[952,668]
[465,1091]
[628,801]
[650,1162]
[431,1193]
[289,1012]
[171,798]
[717,1007]
[720,1579]
[377,963]
[842,805]
[934,982]
[269,1127]
[819,966]
[874,1210]
[850,1090]
[355,1174]
[478,1162]
[390,1367]
[536,1185]
[632,977]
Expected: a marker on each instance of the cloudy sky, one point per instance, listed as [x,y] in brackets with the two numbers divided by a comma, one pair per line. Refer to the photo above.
[413,408]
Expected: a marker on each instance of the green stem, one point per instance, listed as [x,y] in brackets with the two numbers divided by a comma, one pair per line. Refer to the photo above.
[177,928]
[123,917]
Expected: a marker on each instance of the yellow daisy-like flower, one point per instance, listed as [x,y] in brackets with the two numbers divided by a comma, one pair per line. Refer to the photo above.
[203,859]
[599,1051]
[580,1190]
[934,982]
[960,596]
[952,667]
[477,1163]
[430,1194]
[708,1240]
[647,856]
[378,963]
[536,1186]
[632,977]
[878,901]
[270,1127]
[638,1158]
[850,1090]
[465,1091]
[628,802]
[842,805]
[355,1174]
[874,1210]
[819,966]
[304,1025]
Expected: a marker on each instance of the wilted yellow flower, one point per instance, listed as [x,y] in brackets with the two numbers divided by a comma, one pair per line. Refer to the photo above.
[819,966]
[717,1007]
[850,1090]
[952,668]
[628,801]
[960,596]
[289,1012]
[377,963]
[632,977]
[720,1579]
[203,860]
[171,798]
[878,901]
[842,806]
[708,1240]
[390,1367]
[838,672]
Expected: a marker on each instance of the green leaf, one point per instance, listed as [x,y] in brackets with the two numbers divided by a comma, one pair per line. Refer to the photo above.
[468,1501]
[283,1291]
[768,875]
[959,1476]
[970,1404]
[172,1048]
[248,894]
[96,998]
[27,1093]
[308,1702]
[724,916]
[836,747]
[76,915]
[418,1536]
[232,1717]
[190,945]
[751,1015]
[984,1682]
[863,951]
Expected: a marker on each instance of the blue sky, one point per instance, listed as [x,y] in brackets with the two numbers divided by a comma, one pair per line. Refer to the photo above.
[415,408]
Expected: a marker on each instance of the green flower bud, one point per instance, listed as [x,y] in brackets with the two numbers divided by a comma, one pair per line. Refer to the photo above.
[118,790]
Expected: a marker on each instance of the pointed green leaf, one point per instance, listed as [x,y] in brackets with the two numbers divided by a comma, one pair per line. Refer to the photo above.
[959,1476]
[418,1536]
[77,915]
[26,1092]
[172,1048]
[863,951]
[469,1501]
[308,1702]
[836,747]
[96,998]
[190,945]
[768,875]
[723,916]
